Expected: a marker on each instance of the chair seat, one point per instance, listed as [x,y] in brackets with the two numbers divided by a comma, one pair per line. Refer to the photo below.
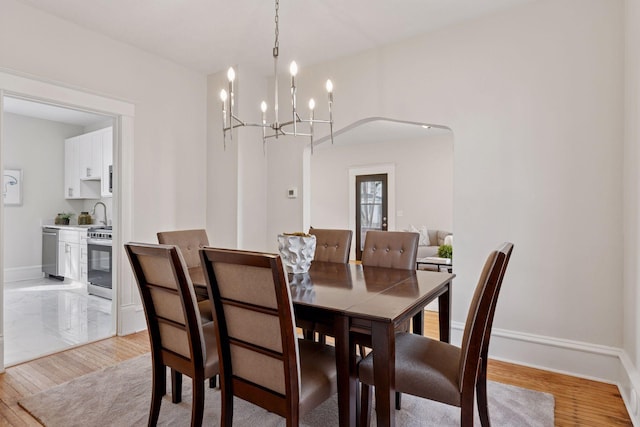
[211,365]
[424,367]
[317,374]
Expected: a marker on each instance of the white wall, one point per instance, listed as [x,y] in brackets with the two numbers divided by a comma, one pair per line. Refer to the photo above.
[534,96]
[631,291]
[37,147]
[424,180]
[170,102]
[236,196]
[537,152]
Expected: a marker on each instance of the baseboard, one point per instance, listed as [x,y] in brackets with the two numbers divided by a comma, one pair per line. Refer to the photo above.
[591,361]
[22,273]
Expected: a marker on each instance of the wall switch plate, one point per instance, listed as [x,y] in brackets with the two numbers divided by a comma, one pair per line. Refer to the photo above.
[292,192]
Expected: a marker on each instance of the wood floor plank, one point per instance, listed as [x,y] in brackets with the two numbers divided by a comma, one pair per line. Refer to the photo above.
[579,402]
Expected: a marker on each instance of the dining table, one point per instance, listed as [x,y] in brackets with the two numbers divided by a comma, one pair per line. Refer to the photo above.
[359,304]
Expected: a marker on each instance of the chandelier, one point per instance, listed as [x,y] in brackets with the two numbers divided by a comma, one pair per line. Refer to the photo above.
[296,126]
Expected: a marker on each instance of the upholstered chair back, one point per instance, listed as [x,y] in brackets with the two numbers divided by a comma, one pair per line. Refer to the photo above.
[256,331]
[332,245]
[390,249]
[189,242]
[477,329]
[169,300]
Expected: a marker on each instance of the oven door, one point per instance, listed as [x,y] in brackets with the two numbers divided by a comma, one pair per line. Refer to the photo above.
[99,262]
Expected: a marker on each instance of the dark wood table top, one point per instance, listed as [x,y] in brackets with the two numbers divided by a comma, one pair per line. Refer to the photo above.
[365,292]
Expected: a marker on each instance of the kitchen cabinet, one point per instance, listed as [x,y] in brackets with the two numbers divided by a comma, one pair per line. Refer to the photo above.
[84,255]
[71,172]
[70,244]
[84,164]
[90,155]
[107,161]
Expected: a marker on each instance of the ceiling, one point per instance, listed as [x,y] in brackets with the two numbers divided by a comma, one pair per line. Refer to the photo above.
[209,35]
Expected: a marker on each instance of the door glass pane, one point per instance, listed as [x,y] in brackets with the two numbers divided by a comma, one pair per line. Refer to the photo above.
[370,207]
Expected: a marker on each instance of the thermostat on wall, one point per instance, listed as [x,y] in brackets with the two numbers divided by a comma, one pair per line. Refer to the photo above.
[292,192]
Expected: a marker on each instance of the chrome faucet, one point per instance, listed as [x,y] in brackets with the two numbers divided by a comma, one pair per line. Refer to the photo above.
[93,212]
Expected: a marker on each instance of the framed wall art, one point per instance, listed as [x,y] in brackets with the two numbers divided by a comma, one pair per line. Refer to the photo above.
[12,187]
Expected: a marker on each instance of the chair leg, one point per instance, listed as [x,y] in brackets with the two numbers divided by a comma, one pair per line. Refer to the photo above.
[308,334]
[176,386]
[226,406]
[365,405]
[466,410]
[159,389]
[213,381]
[481,394]
[197,404]
[398,400]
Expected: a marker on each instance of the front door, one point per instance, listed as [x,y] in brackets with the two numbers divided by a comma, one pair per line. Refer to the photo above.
[371,207]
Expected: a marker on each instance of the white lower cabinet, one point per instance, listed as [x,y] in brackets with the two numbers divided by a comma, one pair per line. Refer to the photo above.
[83,259]
[71,246]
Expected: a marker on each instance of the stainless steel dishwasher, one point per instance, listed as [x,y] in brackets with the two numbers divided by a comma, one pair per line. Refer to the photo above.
[50,252]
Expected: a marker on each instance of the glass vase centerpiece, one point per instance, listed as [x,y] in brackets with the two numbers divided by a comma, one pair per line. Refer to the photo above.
[297,251]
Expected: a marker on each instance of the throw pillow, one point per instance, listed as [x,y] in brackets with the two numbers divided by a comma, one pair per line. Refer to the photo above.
[424,238]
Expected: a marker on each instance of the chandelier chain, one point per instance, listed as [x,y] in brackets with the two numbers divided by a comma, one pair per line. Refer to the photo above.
[276,46]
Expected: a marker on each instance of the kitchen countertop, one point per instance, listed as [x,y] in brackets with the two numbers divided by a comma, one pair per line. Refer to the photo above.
[71,226]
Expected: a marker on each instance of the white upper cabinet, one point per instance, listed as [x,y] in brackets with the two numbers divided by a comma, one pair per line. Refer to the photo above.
[71,171]
[85,165]
[91,156]
[107,161]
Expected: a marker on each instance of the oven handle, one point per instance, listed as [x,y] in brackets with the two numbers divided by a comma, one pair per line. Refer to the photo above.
[99,242]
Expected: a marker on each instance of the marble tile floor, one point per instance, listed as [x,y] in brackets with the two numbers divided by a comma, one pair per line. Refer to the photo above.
[44,316]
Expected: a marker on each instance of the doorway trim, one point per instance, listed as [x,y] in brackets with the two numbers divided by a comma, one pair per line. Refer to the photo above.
[126,303]
[385,168]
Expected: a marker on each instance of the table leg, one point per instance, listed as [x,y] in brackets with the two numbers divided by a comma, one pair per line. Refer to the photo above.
[346,371]
[384,371]
[444,314]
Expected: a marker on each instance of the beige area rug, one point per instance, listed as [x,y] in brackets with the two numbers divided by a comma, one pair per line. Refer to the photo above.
[120,396]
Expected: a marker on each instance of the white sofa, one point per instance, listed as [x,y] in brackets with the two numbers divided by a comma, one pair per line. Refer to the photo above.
[431,240]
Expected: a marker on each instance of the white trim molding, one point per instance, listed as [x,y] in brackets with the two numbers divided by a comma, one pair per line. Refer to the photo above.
[584,360]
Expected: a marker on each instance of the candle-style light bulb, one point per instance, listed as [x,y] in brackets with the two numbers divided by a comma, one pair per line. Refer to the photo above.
[263,107]
[312,104]
[329,86]
[231,74]
[223,95]
[293,68]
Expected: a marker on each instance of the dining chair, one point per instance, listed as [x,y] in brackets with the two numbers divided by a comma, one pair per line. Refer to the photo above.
[443,372]
[190,242]
[261,359]
[178,338]
[332,245]
[390,249]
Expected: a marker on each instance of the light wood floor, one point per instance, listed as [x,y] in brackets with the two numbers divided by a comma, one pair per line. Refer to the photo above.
[579,402]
